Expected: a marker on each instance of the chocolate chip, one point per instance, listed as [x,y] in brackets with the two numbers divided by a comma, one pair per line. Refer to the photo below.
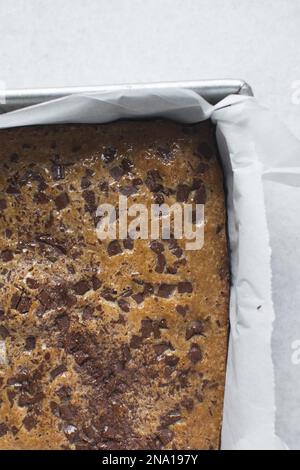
[61,201]
[3,429]
[6,256]
[108,154]
[4,333]
[81,287]
[182,309]
[90,201]
[157,246]
[116,172]
[182,193]
[161,263]
[30,343]
[137,181]
[128,243]
[128,190]
[204,150]
[200,195]
[165,436]
[195,353]
[124,305]
[171,360]
[185,287]
[136,341]
[58,371]
[29,422]
[195,328]
[40,198]
[138,298]
[3,204]
[114,248]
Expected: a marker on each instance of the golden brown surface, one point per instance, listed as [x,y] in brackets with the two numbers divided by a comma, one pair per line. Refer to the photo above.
[96,352]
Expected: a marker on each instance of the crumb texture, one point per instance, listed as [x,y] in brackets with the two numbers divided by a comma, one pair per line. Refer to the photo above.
[109,344]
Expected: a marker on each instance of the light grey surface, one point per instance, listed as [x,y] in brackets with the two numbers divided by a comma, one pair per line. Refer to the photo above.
[88,42]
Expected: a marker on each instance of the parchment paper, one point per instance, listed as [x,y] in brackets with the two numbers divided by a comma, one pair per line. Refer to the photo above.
[262,169]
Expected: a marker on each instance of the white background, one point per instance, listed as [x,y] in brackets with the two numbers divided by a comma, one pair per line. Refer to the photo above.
[86,42]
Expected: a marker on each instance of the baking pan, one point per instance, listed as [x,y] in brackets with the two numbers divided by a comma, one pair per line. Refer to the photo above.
[212,90]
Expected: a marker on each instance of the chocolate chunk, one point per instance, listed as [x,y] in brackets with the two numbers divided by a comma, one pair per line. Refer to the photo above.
[202,168]
[4,333]
[157,246]
[104,187]
[182,309]
[90,201]
[204,150]
[32,283]
[58,371]
[137,181]
[159,198]
[116,172]
[81,287]
[146,327]
[124,305]
[109,294]
[96,283]
[85,182]
[30,343]
[161,263]
[54,407]
[165,436]
[128,190]
[160,348]
[63,322]
[152,181]
[3,204]
[165,290]
[197,183]
[40,198]
[15,300]
[64,392]
[200,195]
[185,287]
[61,201]
[3,429]
[128,243]
[195,328]
[187,403]
[108,154]
[164,153]
[45,299]
[138,298]
[58,171]
[171,417]
[182,193]
[29,422]
[126,164]
[171,360]
[136,341]
[6,256]
[67,412]
[195,353]
[24,304]
[114,248]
